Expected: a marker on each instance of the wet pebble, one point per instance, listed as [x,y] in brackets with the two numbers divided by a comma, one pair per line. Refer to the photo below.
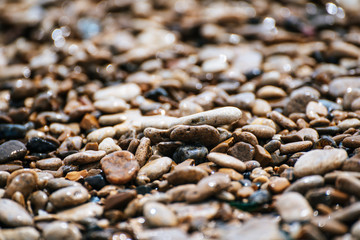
[143,151]
[59,230]
[339,86]
[22,181]
[348,184]
[260,131]
[315,110]
[259,197]
[295,147]
[188,174]
[319,162]
[292,206]
[108,145]
[196,152]
[203,134]
[13,214]
[158,215]
[352,142]
[49,164]
[41,145]
[306,183]
[126,92]
[268,92]
[278,184]
[79,213]
[349,123]
[20,233]
[12,150]
[85,157]
[226,161]
[153,170]
[100,134]
[120,167]
[13,131]
[283,121]
[69,196]
[242,151]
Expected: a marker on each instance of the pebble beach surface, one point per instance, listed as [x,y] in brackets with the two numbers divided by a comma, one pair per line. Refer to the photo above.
[181,119]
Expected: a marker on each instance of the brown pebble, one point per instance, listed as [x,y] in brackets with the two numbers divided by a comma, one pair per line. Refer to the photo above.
[143,151]
[120,167]
[278,184]
[234,175]
[260,131]
[49,164]
[262,156]
[352,142]
[248,137]
[243,151]
[283,121]
[226,161]
[84,157]
[295,147]
[89,122]
[204,134]
[187,174]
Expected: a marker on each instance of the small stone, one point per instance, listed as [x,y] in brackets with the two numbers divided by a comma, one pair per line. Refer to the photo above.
[119,200]
[112,119]
[13,214]
[111,105]
[260,197]
[85,157]
[196,152]
[38,201]
[319,162]
[89,122]
[41,145]
[326,195]
[283,121]
[295,147]
[226,161]
[158,215]
[260,107]
[108,145]
[351,142]
[268,92]
[292,206]
[153,170]
[234,175]
[187,174]
[315,110]
[100,134]
[355,230]
[79,213]
[20,233]
[120,167]
[248,137]
[260,131]
[349,123]
[203,134]
[96,182]
[49,164]
[306,183]
[12,150]
[339,86]
[21,181]
[143,151]
[214,65]
[348,184]
[69,196]
[299,100]
[262,156]
[12,131]
[58,183]
[243,151]
[278,184]
[178,193]
[127,92]
[329,226]
[59,230]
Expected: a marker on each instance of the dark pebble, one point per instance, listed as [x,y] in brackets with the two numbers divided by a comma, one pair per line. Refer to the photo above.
[12,131]
[326,195]
[325,141]
[37,144]
[196,152]
[332,130]
[156,93]
[143,189]
[12,150]
[97,181]
[245,182]
[260,197]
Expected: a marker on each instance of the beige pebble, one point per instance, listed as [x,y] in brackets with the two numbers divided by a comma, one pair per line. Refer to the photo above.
[278,184]
[295,147]
[108,145]
[187,174]
[59,230]
[112,119]
[234,175]
[226,161]
[260,108]
[283,121]
[267,92]
[143,151]
[76,214]
[125,91]
[159,215]
[13,214]
[315,110]
[111,105]
[85,157]
[214,65]
[20,233]
[49,164]
[260,131]
[100,134]
[292,206]
[153,170]
[69,196]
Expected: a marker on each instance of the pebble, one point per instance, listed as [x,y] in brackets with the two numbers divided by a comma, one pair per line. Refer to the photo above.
[158,215]
[326,195]
[111,105]
[41,145]
[315,110]
[96,182]
[143,151]
[329,226]
[292,206]
[248,137]
[348,184]
[112,119]
[108,145]
[187,174]
[349,123]
[262,156]
[85,157]
[226,161]
[319,162]
[260,107]
[234,175]
[299,100]
[59,230]
[259,197]
[260,131]
[49,164]
[69,196]
[153,170]
[13,214]
[295,147]
[242,151]
[242,100]
[57,183]
[20,233]
[278,184]
[304,184]
[38,201]
[89,122]
[214,65]
[268,92]
[351,142]
[120,167]
[208,186]
[79,213]
[283,121]
[13,131]
[196,152]
[352,164]
[100,134]
[22,181]
[339,86]
[3,178]
[355,230]
[12,150]
[127,92]
[349,213]
[203,134]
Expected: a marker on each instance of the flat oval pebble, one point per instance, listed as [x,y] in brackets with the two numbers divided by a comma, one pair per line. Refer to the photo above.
[319,162]
[13,214]
[158,215]
[295,147]
[41,145]
[76,214]
[85,157]
[196,152]
[112,119]
[12,150]
[153,170]
[260,107]
[126,92]
[49,164]
[349,123]
[59,230]
[306,183]
[100,134]
[260,131]
[69,196]
[270,92]
[352,142]
[188,174]
[339,86]
[292,206]
[111,105]
[20,233]
[214,65]
[315,110]
[21,181]
[120,167]
[227,161]
[204,134]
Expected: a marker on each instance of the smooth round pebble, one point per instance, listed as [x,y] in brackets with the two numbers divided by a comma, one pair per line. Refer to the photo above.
[69,196]
[158,215]
[59,230]
[13,214]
